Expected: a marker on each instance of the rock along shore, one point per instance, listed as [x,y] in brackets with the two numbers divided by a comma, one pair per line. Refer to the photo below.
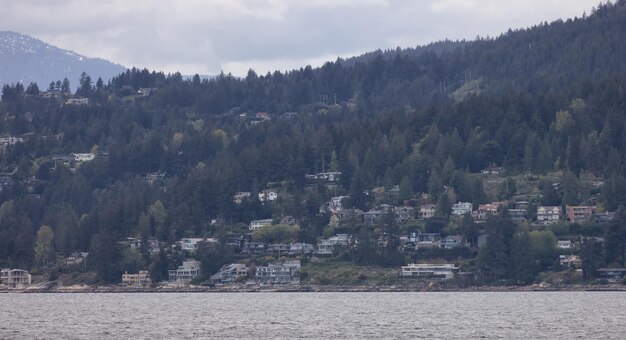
[433,287]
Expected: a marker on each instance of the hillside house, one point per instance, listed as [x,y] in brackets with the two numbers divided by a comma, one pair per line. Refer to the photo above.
[427,211]
[548,214]
[579,214]
[564,244]
[258,224]
[267,195]
[462,208]
[77,101]
[452,241]
[239,197]
[518,215]
[403,214]
[296,249]
[328,246]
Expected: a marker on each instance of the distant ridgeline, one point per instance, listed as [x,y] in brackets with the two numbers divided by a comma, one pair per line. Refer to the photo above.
[366,151]
[25,59]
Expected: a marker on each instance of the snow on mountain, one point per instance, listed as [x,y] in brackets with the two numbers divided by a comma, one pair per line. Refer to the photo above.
[25,59]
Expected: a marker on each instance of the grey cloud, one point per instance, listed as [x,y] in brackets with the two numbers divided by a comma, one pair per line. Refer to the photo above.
[205,36]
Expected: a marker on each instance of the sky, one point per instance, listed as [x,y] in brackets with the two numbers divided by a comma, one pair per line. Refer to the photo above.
[209,36]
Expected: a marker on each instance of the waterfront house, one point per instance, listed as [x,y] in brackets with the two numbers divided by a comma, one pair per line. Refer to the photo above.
[613,275]
[140,279]
[230,273]
[15,278]
[548,214]
[462,208]
[185,273]
[430,271]
[570,261]
[279,273]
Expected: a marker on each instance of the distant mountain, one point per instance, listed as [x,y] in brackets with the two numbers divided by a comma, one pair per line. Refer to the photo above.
[26,59]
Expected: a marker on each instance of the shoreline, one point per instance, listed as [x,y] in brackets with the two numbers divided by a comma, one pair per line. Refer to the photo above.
[113,289]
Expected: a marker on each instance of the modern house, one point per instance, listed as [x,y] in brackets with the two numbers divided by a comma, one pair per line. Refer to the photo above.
[462,208]
[140,279]
[430,271]
[548,214]
[185,273]
[15,278]
[279,273]
[230,273]
[258,224]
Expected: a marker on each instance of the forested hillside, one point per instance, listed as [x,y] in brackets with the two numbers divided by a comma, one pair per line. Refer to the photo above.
[170,154]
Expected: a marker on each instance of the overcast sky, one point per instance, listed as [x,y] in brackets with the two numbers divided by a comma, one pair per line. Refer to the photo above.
[208,36]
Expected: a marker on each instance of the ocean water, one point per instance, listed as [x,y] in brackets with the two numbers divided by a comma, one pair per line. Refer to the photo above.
[514,315]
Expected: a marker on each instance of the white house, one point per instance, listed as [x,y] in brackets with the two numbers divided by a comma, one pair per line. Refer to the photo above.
[191,243]
[427,211]
[279,273]
[430,271]
[462,208]
[548,214]
[268,195]
[83,157]
[15,278]
[258,224]
[240,196]
[185,273]
[564,244]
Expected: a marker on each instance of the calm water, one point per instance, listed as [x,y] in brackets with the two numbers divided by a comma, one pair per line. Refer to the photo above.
[560,315]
